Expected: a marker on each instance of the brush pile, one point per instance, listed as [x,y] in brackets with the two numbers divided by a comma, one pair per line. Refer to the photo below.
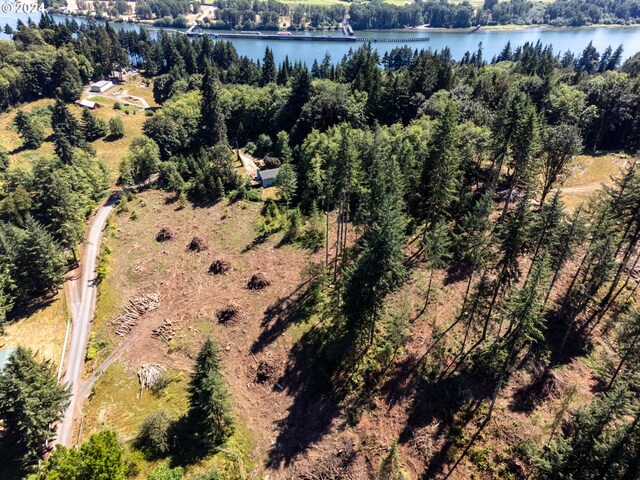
[258,281]
[165,234]
[220,267]
[229,315]
[197,244]
[165,331]
[136,309]
[149,375]
[265,372]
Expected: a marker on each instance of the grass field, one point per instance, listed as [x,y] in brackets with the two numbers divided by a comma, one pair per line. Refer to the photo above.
[589,173]
[43,331]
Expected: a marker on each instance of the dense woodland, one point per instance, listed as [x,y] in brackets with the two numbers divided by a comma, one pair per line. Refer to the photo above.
[272,15]
[429,162]
[268,15]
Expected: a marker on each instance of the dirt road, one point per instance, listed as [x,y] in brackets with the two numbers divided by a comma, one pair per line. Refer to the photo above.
[249,164]
[83,300]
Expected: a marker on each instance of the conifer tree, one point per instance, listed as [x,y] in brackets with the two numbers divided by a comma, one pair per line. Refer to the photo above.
[441,174]
[92,126]
[67,133]
[593,443]
[38,261]
[69,82]
[287,183]
[269,70]
[213,130]
[508,119]
[379,267]
[300,94]
[30,130]
[391,468]
[524,145]
[209,417]
[31,402]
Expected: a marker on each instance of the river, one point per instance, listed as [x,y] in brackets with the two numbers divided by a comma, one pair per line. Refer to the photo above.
[574,39]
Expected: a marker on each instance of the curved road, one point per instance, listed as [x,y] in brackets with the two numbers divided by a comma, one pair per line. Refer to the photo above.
[83,300]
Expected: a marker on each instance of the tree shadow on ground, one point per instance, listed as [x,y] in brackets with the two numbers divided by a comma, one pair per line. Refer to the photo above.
[27,309]
[449,404]
[297,307]
[309,378]
[456,273]
[257,241]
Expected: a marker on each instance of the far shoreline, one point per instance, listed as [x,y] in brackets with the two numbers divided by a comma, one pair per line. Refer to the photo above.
[503,28]
[418,29]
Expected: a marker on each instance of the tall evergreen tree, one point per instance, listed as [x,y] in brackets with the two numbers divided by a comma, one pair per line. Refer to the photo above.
[441,174]
[269,70]
[67,133]
[209,418]
[31,402]
[379,267]
[213,129]
[29,129]
[92,126]
[38,261]
[69,81]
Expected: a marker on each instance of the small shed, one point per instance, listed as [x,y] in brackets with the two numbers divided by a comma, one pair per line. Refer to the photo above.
[101,86]
[4,356]
[91,105]
[268,177]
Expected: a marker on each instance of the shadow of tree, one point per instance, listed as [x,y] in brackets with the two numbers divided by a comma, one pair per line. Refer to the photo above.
[456,273]
[258,240]
[449,404]
[297,307]
[30,308]
[312,377]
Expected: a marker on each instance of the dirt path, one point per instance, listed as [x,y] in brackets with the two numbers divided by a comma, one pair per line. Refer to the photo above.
[249,164]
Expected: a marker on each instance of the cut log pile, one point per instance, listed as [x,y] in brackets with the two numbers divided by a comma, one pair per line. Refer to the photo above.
[229,314]
[149,375]
[136,309]
[165,331]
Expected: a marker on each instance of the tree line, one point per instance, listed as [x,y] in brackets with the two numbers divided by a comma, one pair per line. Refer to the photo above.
[272,15]
[259,14]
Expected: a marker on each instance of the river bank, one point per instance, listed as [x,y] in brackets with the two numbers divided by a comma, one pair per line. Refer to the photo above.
[457,41]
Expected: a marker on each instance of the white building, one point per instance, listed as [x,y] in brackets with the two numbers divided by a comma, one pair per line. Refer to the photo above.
[101,86]
[268,177]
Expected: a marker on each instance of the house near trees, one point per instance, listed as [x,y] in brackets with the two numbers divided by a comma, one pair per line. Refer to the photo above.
[268,177]
[91,105]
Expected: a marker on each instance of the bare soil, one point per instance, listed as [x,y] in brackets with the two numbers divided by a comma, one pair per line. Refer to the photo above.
[297,435]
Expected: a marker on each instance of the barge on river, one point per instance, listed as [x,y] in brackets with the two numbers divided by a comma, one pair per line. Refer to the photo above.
[195,31]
